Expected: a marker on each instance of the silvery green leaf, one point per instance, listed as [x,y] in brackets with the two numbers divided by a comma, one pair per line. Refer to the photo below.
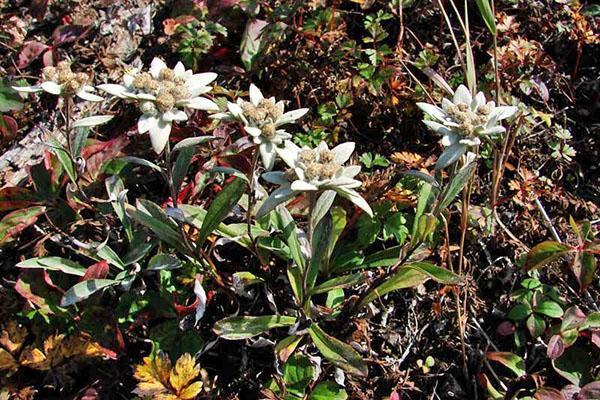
[142,162]
[93,121]
[322,206]
[432,111]
[277,197]
[194,141]
[451,155]
[423,176]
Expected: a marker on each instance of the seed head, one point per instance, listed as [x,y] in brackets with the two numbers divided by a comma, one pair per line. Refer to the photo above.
[166,74]
[268,130]
[314,171]
[180,93]
[50,73]
[329,170]
[463,107]
[165,101]
[326,156]
[307,156]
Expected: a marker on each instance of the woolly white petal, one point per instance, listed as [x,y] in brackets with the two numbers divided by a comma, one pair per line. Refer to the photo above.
[112,89]
[255,94]
[303,186]
[355,198]
[51,87]
[145,122]
[201,79]
[268,154]
[289,153]
[351,171]
[89,96]
[433,111]
[179,70]
[159,135]
[342,152]
[462,95]
[156,66]
[502,112]
[200,103]
[27,89]
[253,131]
[291,116]
[174,115]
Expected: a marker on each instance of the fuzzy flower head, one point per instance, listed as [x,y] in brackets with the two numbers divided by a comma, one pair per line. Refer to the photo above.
[61,81]
[314,170]
[162,95]
[463,121]
[262,119]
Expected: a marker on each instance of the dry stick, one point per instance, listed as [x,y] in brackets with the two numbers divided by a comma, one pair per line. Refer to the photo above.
[458,52]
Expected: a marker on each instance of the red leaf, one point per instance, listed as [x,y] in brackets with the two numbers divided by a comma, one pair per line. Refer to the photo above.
[556,347]
[32,286]
[394,396]
[96,271]
[30,52]
[13,223]
[98,153]
[506,328]
[68,33]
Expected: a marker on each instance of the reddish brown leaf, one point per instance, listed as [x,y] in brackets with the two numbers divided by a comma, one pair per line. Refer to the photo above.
[12,198]
[30,52]
[8,128]
[12,224]
[99,152]
[38,9]
[96,271]
[68,33]
[556,347]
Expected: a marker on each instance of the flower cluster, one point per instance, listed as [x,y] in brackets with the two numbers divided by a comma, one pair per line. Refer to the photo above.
[62,81]
[463,121]
[262,119]
[162,95]
[313,170]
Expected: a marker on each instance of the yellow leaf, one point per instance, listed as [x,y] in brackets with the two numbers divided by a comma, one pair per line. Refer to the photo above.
[185,371]
[7,361]
[191,391]
[34,358]
[153,376]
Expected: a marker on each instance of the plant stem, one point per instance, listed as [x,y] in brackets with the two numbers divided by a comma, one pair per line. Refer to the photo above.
[251,198]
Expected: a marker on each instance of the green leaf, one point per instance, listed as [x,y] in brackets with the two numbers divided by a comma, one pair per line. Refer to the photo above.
[575,365]
[286,346]
[328,390]
[287,225]
[544,253]
[383,258]
[79,139]
[395,225]
[550,309]
[220,207]
[298,372]
[511,361]
[237,328]
[117,196]
[191,142]
[338,352]
[10,100]
[63,157]
[320,255]
[456,185]
[159,227]
[536,325]
[520,312]
[181,167]
[54,264]
[340,282]
[587,269]
[164,262]
[485,9]
[411,275]
[85,289]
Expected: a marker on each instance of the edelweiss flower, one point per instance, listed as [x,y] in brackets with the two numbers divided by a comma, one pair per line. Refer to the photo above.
[261,118]
[314,170]
[61,81]
[162,94]
[462,122]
